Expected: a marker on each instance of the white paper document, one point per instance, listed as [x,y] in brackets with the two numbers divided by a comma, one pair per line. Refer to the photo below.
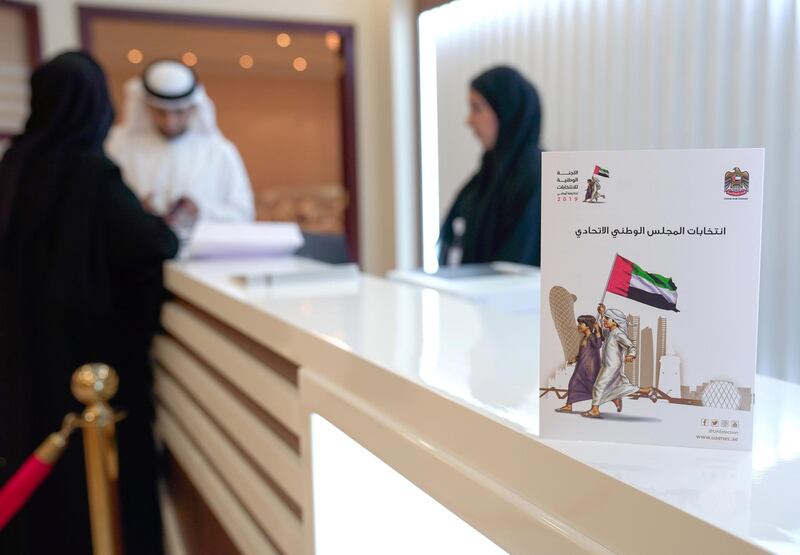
[329,273]
[649,296]
[222,240]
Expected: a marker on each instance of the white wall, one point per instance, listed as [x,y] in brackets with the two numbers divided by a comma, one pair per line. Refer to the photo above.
[404,97]
[632,74]
[375,66]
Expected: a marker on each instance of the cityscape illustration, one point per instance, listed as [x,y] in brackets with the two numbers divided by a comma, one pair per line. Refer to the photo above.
[653,366]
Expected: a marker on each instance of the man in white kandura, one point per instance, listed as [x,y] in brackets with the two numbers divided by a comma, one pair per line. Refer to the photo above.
[612,384]
[171,152]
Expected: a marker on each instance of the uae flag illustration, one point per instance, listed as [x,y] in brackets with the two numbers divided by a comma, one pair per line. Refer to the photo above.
[602,172]
[631,281]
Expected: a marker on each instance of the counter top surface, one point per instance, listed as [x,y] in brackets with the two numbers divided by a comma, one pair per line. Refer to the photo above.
[487,360]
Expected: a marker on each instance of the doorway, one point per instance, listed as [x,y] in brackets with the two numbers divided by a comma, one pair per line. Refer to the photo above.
[283,93]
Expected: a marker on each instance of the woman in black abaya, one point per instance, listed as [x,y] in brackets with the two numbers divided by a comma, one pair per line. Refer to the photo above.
[496,216]
[80,281]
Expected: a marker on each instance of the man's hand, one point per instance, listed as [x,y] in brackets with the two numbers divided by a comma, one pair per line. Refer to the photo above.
[629,358]
[601,309]
[147,203]
[571,361]
[182,212]
[186,205]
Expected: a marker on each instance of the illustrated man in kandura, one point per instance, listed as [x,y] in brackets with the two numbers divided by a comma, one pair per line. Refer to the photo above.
[596,190]
[612,384]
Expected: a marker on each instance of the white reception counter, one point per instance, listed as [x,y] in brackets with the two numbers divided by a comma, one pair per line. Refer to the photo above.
[445,392]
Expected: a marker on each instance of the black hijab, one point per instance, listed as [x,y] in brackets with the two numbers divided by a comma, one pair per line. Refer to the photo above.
[501,202]
[71,114]
[70,109]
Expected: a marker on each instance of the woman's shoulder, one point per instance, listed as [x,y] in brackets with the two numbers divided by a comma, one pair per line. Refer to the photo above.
[94,161]
[529,162]
[95,174]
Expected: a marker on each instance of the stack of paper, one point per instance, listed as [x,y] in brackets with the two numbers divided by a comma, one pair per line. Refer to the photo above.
[218,240]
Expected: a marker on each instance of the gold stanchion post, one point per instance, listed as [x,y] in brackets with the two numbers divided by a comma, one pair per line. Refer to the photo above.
[94,385]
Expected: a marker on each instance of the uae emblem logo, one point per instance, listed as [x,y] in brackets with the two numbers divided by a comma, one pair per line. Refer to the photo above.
[737,182]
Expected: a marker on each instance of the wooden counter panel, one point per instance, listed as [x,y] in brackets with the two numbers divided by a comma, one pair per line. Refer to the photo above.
[237,523]
[260,376]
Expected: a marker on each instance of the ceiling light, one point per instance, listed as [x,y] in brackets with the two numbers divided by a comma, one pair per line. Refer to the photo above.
[246,61]
[300,64]
[283,40]
[333,41]
[135,56]
[190,59]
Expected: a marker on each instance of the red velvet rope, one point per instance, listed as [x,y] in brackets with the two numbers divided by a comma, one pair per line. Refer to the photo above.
[20,487]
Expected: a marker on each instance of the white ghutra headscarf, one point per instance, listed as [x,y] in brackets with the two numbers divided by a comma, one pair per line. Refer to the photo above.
[170,85]
[618,317]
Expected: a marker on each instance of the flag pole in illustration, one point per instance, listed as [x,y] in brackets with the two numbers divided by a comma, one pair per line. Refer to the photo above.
[629,280]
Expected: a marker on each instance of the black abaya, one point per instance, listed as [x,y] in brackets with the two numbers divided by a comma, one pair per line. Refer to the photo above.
[80,281]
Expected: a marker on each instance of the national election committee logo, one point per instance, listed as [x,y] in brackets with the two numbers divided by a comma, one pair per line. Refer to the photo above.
[593,187]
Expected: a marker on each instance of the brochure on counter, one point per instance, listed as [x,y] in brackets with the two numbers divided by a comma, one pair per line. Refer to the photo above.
[650,278]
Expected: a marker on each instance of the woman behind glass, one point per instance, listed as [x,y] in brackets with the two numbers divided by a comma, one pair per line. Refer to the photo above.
[496,215]
[80,281]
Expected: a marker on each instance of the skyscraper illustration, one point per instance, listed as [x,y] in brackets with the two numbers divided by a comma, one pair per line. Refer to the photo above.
[562,308]
[646,366]
[661,347]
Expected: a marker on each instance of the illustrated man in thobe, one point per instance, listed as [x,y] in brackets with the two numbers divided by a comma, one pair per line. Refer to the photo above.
[612,384]
[171,152]
[596,190]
